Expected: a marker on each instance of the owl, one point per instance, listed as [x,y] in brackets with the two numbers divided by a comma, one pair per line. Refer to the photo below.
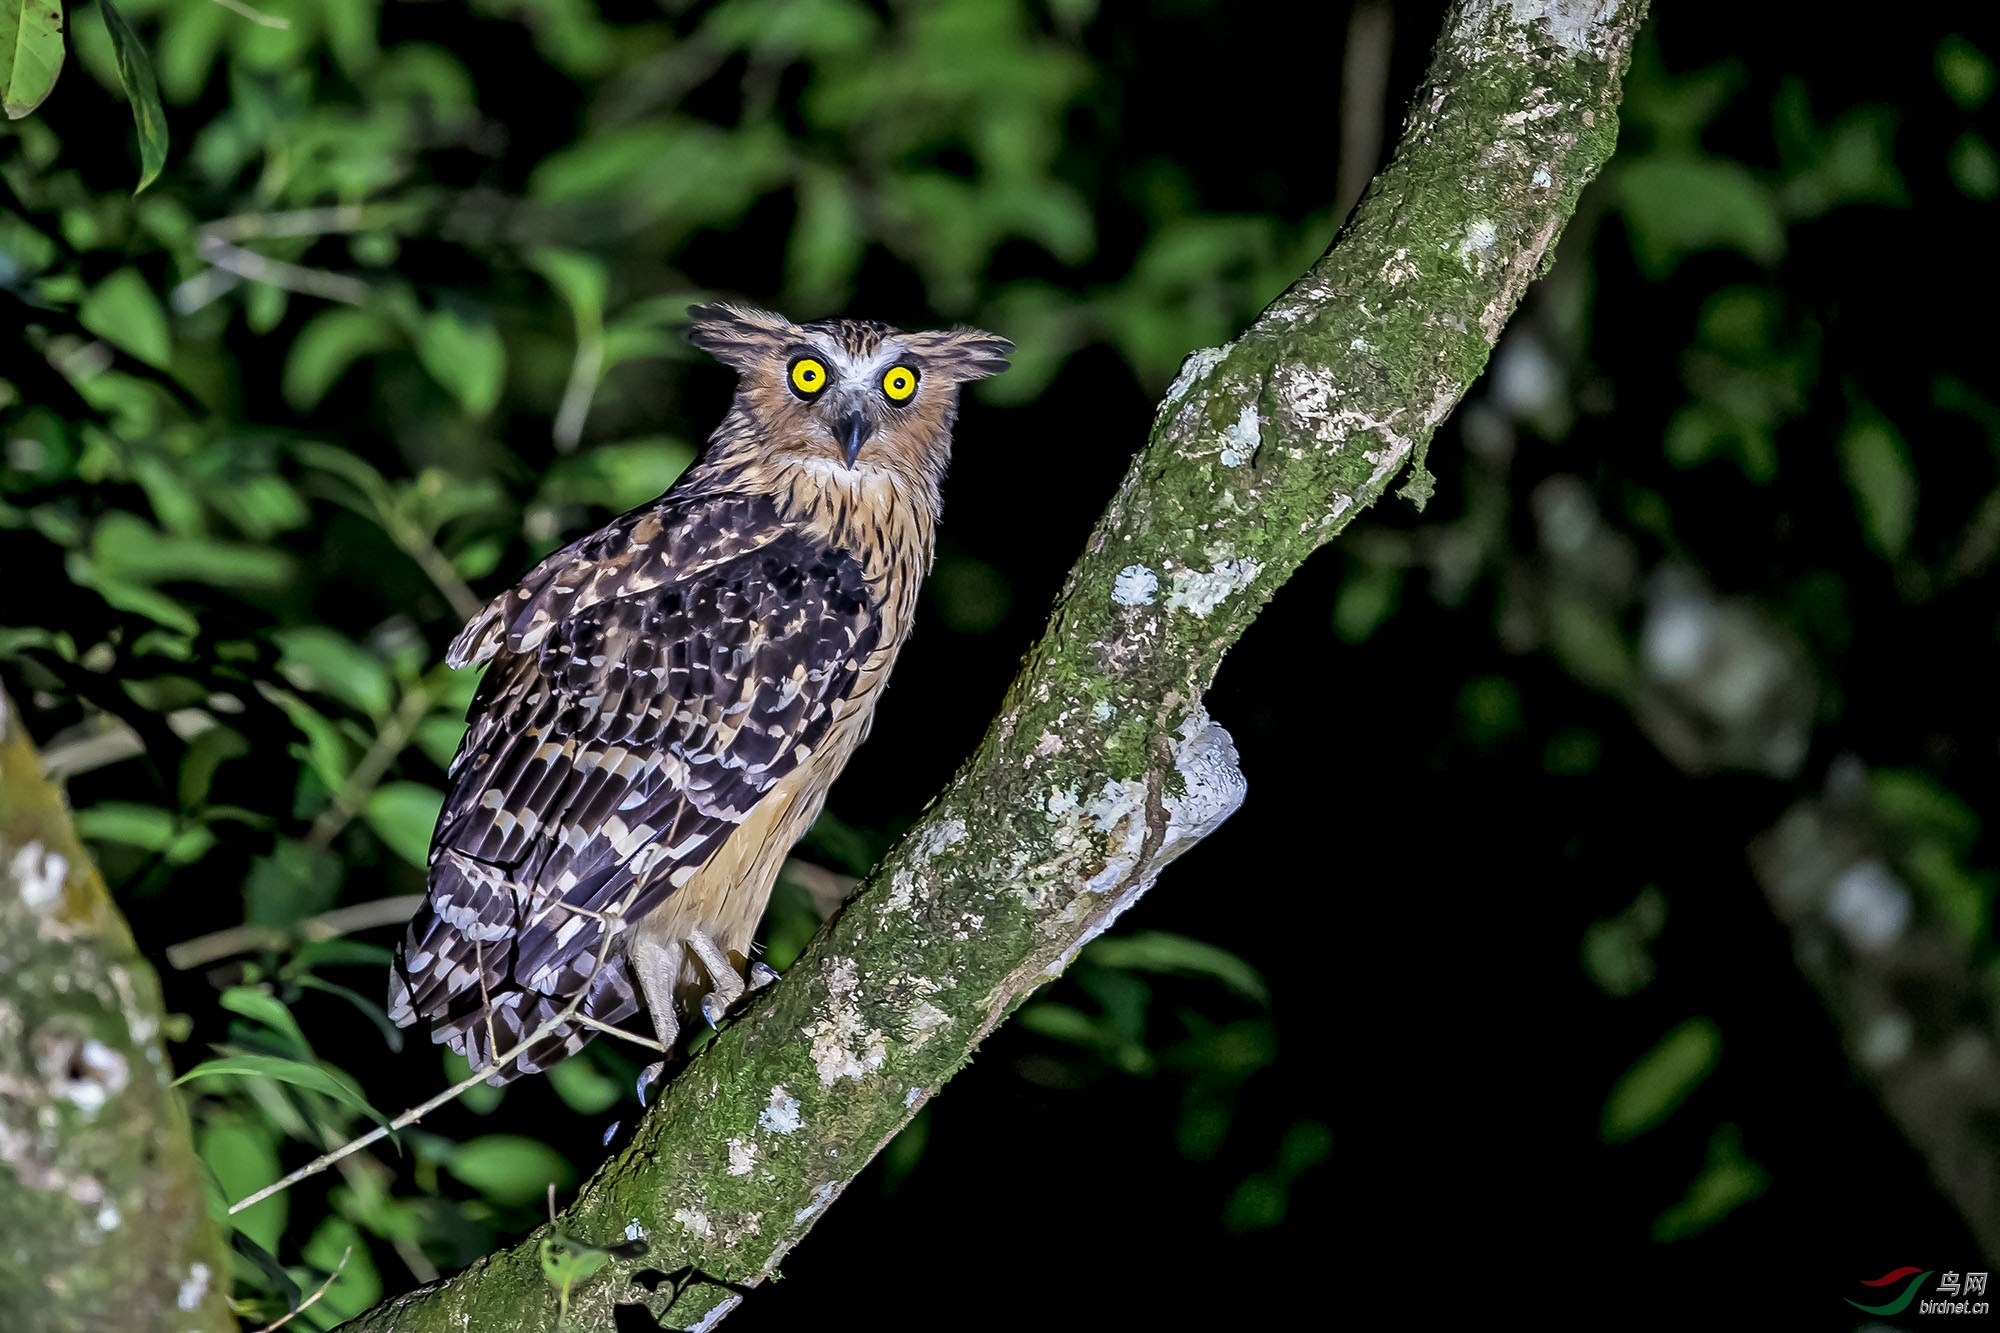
[668,699]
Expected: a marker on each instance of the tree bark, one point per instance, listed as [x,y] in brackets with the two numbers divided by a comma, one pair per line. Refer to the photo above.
[1102,765]
[103,1223]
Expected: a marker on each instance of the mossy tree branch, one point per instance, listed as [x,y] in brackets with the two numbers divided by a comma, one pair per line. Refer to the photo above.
[102,1218]
[1102,766]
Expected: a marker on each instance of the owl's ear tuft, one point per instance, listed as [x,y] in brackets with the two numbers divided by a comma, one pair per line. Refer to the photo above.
[739,335]
[961,354]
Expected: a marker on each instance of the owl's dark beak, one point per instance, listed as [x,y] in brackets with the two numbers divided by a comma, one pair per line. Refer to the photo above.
[853,431]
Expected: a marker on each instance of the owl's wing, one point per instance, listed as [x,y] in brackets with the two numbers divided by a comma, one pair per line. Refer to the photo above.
[638,707]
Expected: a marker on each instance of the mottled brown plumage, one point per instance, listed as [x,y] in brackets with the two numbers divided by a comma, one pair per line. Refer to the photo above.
[668,699]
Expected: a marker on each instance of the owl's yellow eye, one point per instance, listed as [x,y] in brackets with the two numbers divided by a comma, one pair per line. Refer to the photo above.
[899,383]
[808,376]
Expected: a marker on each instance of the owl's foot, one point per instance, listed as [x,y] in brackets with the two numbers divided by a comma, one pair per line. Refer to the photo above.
[730,985]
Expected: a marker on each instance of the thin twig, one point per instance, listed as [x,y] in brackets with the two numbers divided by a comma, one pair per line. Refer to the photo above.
[486,996]
[326,926]
[104,738]
[584,373]
[262,20]
[281,273]
[332,219]
[317,1292]
[416,1113]
[217,242]
[414,542]
[610,1031]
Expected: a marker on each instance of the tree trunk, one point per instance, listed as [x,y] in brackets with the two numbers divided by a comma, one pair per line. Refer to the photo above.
[1102,766]
[102,1218]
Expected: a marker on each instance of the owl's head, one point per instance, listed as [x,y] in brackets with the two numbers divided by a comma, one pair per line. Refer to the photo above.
[843,391]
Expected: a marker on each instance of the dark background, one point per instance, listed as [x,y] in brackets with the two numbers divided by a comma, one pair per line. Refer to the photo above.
[1761,359]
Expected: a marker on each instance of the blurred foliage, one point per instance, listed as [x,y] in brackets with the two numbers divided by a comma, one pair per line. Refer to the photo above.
[400,313]
[1724,473]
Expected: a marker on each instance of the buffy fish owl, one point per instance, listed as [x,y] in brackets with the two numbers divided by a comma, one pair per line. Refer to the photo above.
[667,700]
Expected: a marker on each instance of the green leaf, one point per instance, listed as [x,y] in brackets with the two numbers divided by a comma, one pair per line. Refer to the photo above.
[1727,1182]
[1489,710]
[1850,161]
[1678,204]
[1262,1200]
[31,53]
[1368,596]
[335,953]
[1962,900]
[371,494]
[147,827]
[260,505]
[392,1036]
[206,753]
[244,1159]
[480,1098]
[566,1262]
[587,1089]
[268,1009]
[1884,484]
[1177,955]
[970,596]
[127,549]
[326,751]
[466,357]
[581,280]
[322,659]
[333,341]
[130,597]
[438,737]
[264,306]
[1663,1078]
[829,239]
[1617,950]
[1974,167]
[1965,72]
[1676,108]
[338,1246]
[1588,642]
[1062,1022]
[403,815]
[616,476]
[509,1168]
[1914,805]
[295,1072]
[135,72]
[124,312]
[263,1271]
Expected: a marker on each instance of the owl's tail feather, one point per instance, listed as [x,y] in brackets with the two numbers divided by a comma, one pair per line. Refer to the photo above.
[446,956]
[516,1013]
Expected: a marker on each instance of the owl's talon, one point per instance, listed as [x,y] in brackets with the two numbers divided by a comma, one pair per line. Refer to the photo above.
[713,1009]
[722,973]
[762,975]
[653,1073]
